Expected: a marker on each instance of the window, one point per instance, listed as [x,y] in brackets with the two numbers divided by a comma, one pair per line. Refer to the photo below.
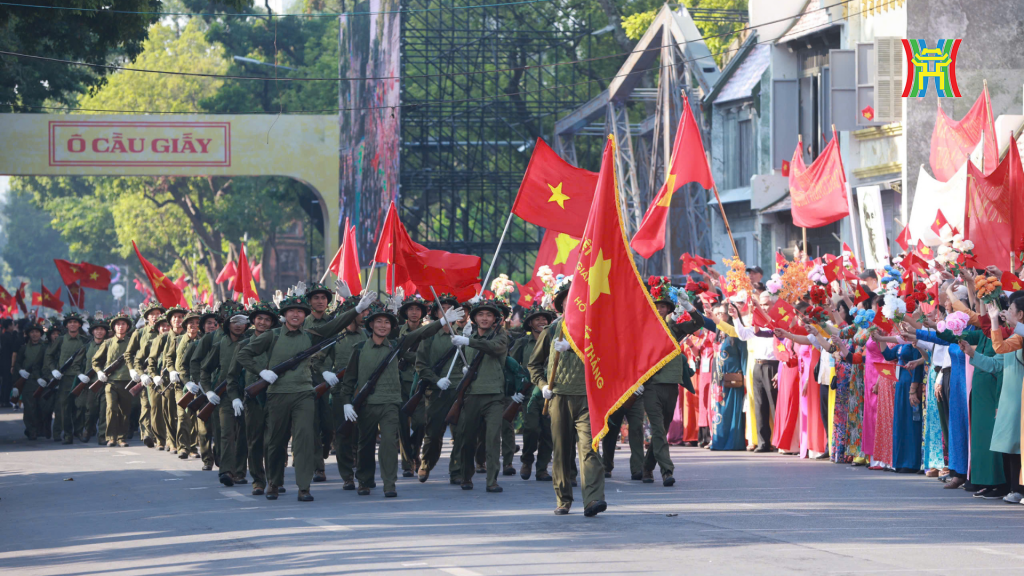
[745,151]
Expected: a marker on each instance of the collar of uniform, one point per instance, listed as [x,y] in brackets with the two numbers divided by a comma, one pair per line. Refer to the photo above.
[289,332]
[385,344]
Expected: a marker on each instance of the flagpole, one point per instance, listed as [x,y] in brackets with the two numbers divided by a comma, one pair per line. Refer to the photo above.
[495,257]
[721,208]
[328,270]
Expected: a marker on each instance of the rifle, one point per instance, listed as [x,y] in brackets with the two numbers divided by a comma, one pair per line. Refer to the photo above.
[460,393]
[51,386]
[186,399]
[510,413]
[110,369]
[18,385]
[207,410]
[253,390]
[322,387]
[414,401]
[551,380]
[364,393]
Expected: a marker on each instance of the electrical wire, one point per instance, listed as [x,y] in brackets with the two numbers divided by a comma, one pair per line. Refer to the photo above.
[415,105]
[409,76]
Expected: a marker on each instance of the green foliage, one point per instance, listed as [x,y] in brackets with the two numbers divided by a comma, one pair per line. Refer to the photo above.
[717,35]
[31,243]
[636,24]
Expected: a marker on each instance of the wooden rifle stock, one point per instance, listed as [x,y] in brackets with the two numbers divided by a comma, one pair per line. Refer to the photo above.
[51,386]
[321,389]
[186,399]
[364,393]
[198,403]
[18,385]
[256,388]
[510,413]
[206,411]
[551,379]
[77,390]
[414,401]
[460,394]
[110,369]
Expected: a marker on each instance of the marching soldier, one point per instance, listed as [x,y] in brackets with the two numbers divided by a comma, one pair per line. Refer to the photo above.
[381,411]
[164,413]
[216,368]
[209,323]
[411,315]
[263,316]
[485,397]
[119,400]
[291,403]
[48,402]
[536,426]
[320,297]
[175,361]
[559,372]
[66,346]
[661,392]
[29,365]
[93,405]
[336,361]
[134,359]
[438,351]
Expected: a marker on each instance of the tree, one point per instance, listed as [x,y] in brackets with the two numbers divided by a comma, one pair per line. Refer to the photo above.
[717,35]
[30,242]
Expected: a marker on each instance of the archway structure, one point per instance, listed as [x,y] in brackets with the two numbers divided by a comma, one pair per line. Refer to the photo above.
[300,147]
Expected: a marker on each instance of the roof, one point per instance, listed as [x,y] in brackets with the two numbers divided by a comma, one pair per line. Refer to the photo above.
[784,205]
[814,19]
[747,75]
[733,196]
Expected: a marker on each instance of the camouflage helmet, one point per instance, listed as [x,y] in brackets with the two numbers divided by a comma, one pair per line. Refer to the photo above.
[563,291]
[34,326]
[442,299]
[534,311]
[153,305]
[377,309]
[176,309]
[206,315]
[298,301]
[73,316]
[503,304]
[319,288]
[411,301]
[268,309]
[121,317]
[193,315]
[482,305]
[99,323]
[348,304]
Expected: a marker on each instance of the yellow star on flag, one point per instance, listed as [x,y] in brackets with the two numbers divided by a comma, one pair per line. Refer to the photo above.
[557,196]
[159,280]
[74,270]
[597,277]
[670,188]
[565,245]
[94,276]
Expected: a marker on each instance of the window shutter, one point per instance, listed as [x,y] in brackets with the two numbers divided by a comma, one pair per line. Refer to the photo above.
[843,90]
[785,102]
[888,80]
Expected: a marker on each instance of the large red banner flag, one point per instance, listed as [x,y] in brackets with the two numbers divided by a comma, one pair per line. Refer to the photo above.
[244,284]
[554,194]
[346,262]
[953,141]
[607,293]
[559,252]
[689,164]
[165,291]
[227,274]
[994,212]
[69,271]
[818,192]
[48,299]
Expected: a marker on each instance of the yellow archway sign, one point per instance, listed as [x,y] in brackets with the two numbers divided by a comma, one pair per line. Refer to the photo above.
[301,147]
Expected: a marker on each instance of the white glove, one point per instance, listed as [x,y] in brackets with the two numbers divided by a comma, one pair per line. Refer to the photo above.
[175,377]
[444,383]
[465,370]
[341,287]
[330,378]
[14,393]
[83,378]
[158,380]
[237,405]
[133,374]
[518,397]
[639,390]
[101,376]
[268,376]
[467,330]
[146,380]
[23,374]
[41,382]
[460,341]
[476,299]
[561,345]
[213,398]
[191,387]
[140,323]
[365,301]
[56,374]
[350,413]
[546,392]
[452,315]
[686,305]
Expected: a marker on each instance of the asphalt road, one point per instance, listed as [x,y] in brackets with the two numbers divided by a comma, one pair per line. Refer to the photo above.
[141,511]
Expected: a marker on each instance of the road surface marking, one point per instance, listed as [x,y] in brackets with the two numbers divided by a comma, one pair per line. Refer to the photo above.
[235,495]
[126,453]
[178,473]
[325,524]
[456,571]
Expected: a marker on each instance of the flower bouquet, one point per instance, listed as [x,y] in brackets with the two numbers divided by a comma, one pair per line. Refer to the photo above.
[952,328]
[989,288]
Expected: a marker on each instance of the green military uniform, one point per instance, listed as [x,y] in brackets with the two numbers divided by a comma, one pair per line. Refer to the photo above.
[290,398]
[206,432]
[570,418]
[433,359]
[336,360]
[322,419]
[634,418]
[381,411]
[30,359]
[536,426]
[485,398]
[138,345]
[186,437]
[215,369]
[119,400]
[161,413]
[91,406]
[64,348]
[415,423]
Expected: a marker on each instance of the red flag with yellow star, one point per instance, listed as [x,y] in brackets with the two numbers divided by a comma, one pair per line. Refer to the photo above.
[1011,283]
[94,276]
[165,291]
[886,371]
[689,164]
[244,283]
[69,271]
[559,252]
[48,299]
[607,293]
[555,194]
